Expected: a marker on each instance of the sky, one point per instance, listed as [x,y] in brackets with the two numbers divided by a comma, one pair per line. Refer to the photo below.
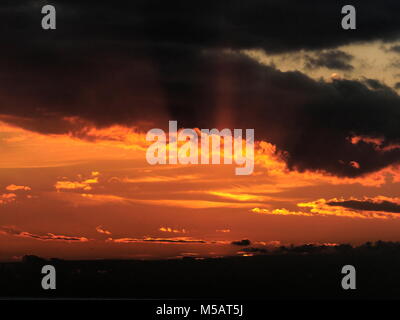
[77,102]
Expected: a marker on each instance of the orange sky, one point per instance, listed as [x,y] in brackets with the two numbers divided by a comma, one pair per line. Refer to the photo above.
[97,197]
[78,100]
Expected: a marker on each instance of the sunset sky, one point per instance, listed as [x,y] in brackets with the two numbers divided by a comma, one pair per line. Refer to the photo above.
[76,104]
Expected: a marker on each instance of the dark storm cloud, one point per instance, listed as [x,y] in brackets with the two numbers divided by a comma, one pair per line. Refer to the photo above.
[244,242]
[272,25]
[385,206]
[332,59]
[153,61]
[375,84]
[310,120]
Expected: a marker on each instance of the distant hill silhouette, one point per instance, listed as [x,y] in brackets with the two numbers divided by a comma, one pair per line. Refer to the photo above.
[306,271]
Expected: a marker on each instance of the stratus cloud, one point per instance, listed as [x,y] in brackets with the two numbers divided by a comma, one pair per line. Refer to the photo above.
[71,185]
[172,230]
[367,208]
[178,240]
[322,208]
[379,203]
[281,212]
[98,199]
[12,231]
[13,187]
[7,198]
[238,196]
[85,184]
[100,229]
[156,179]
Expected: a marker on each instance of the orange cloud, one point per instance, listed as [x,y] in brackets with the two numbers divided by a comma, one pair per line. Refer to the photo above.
[32,149]
[376,142]
[100,229]
[98,199]
[195,204]
[152,179]
[13,187]
[124,137]
[355,164]
[267,156]
[168,229]
[7,198]
[239,196]
[281,212]
[177,240]
[71,185]
[10,230]
[115,142]
[370,140]
[326,208]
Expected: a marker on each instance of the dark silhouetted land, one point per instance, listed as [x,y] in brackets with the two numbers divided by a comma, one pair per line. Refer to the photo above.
[286,273]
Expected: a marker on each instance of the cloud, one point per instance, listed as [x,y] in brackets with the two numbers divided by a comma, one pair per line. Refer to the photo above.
[13,187]
[332,59]
[85,184]
[62,85]
[368,208]
[334,207]
[238,196]
[355,164]
[7,198]
[281,212]
[71,185]
[172,230]
[99,199]
[297,114]
[244,242]
[370,204]
[156,179]
[178,240]
[378,143]
[9,230]
[100,229]
[276,25]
